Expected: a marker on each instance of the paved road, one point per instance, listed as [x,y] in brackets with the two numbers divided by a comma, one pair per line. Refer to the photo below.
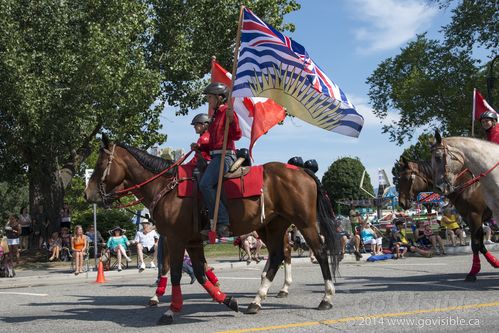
[390,296]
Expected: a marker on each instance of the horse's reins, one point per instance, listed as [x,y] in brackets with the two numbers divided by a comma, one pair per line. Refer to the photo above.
[129,191]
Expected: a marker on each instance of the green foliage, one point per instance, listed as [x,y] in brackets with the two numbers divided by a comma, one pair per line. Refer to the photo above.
[342,180]
[106,220]
[417,152]
[430,83]
[14,196]
[69,69]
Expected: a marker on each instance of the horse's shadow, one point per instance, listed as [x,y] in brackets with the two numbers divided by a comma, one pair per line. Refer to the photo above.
[131,311]
[412,283]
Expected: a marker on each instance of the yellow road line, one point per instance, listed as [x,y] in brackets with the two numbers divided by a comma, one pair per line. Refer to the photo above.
[348,319]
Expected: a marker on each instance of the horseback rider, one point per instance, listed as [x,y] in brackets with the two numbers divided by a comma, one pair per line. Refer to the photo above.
[488,119]
[201,122]
[217,94]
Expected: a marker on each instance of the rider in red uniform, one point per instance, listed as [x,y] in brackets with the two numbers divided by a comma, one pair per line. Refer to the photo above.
[488,119]
[201,122]
[217,94]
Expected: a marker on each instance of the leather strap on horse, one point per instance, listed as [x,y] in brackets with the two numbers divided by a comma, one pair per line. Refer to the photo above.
[195,206]
[171,185]
[461,188]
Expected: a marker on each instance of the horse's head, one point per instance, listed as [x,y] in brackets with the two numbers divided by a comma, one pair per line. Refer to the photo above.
[108,176]
[446,163]
[414,177]
[406,178]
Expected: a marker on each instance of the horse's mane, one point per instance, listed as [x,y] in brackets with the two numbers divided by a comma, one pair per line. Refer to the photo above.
[150,162]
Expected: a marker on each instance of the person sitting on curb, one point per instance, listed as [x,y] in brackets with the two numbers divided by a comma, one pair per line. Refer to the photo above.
[401,241]
[426,238]
[118,244]
[251,241]
[147,241]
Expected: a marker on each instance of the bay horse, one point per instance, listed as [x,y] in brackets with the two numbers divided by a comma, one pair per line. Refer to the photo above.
[290,196]
[451,155]
[415,177]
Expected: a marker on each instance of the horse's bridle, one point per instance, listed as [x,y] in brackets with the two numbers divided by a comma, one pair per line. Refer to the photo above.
[106,197]
[454,156]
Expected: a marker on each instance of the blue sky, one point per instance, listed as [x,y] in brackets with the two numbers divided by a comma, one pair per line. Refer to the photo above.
[347,39]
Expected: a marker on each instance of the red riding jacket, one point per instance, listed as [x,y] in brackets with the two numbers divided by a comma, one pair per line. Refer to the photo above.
[493,134]
[216,130]
[203,141]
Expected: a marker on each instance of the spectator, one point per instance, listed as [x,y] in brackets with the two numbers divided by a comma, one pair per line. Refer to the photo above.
[369,236]
[355,220]
[345,237]
[26,228]
[487,232]
[39,219]
[297,241]
[65,217]
[13,231]
[251,241]
[401,244]
[79,245]
[147,241]
[426,238]
[66,244]
[450,222]
[187,267]
[55,246]
[90,237]
[118,245]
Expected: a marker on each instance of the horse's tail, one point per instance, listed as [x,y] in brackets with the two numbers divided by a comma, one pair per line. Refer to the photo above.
[327,223]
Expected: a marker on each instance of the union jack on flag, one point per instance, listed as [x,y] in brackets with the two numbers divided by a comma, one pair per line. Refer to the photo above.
[275,66]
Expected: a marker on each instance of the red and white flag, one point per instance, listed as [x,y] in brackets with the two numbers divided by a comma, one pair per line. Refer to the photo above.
[480,105]
[257,115]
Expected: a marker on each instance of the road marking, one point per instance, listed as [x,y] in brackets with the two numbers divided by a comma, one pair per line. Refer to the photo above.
[348,319]
[27,294]
[238,278]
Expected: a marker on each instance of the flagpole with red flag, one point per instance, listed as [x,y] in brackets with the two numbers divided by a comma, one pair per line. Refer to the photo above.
[473,114]
[226,129]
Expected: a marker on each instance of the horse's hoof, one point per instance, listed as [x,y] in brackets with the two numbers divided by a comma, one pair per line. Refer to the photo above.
[470,278]
[253,308]
[166,319]
[282,294]
[153,303]
[231,302]
[324,305]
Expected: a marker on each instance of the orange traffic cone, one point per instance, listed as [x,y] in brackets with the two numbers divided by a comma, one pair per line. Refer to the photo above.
[100,273]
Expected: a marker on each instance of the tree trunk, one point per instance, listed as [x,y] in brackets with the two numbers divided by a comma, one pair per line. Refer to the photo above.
[49,192]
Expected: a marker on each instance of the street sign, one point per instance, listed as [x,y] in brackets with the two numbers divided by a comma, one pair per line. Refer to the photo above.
[88,174]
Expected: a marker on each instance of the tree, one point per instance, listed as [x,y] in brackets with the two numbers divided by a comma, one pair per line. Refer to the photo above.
[430,83]
[417,152]
[71,69]
[342,180]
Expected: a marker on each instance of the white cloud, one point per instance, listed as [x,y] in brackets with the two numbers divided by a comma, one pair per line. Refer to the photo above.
[370,120]
[390,23]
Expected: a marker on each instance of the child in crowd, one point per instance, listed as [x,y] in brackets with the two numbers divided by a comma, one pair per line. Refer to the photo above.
[55,246]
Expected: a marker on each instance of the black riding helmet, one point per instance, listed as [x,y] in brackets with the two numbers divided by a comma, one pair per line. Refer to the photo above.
[296,161]
[200,119]
[312,165]
[489,115]
[217,88]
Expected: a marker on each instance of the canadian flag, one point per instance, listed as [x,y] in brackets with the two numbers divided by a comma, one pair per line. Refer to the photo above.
[480,105]
[257,115]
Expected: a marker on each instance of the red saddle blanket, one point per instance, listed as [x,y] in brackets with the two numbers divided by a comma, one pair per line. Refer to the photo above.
[249,186]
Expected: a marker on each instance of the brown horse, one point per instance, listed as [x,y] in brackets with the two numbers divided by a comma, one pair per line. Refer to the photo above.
[415,177]
[290,196]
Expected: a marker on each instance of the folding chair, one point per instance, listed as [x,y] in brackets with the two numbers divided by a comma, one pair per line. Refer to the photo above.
[86,260]
[110,260]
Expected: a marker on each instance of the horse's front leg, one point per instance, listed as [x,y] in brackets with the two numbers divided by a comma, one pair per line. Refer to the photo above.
[163,268]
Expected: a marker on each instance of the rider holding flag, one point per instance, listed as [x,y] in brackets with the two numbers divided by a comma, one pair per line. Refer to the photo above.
[217,94]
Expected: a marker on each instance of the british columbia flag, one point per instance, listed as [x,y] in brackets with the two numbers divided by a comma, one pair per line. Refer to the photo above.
[275,66]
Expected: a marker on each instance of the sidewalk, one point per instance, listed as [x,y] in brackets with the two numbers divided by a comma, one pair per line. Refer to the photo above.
[52,275]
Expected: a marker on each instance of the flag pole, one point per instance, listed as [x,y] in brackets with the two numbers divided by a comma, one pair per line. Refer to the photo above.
[473,114]
[226,129]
